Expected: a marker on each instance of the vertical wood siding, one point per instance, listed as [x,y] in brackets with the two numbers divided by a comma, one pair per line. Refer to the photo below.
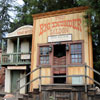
[40,36]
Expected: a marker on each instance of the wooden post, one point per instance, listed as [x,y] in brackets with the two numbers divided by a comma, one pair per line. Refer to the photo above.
[17,48]
[40,79]
[85,78]
[2,45]
[86,97]
[2,50]
[71,95]
[18,88]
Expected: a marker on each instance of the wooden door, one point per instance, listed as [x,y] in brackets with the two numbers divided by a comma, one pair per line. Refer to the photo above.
[15,75]
[59,55]
[59,58]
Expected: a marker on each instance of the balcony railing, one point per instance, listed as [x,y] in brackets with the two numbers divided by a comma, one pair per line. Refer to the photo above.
[16,58]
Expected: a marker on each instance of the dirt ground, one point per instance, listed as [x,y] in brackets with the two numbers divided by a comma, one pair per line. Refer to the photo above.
[1,98]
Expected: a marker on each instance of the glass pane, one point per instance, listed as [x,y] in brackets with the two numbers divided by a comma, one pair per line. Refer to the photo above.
[72,56]
[44,50]
[76,60]
[44,60]
[76,53]
[79,46]
[73,61]
[80,56]
[80,60]
[76,56]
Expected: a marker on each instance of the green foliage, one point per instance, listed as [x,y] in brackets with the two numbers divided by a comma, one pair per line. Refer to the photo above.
[24,13]
[94,13]
[24,17]
[4,16]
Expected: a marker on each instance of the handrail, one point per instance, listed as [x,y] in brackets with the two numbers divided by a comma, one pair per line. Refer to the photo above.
[93,69]
[15,53]
[28,74]
[94,80]
[27,84]
[40,76]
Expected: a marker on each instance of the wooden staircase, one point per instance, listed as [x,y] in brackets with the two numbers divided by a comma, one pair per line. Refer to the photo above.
[62,91]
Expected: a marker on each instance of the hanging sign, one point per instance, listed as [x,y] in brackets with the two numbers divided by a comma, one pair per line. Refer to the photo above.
[60,38]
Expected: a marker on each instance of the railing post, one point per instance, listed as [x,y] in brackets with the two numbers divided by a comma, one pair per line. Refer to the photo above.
[2,50]
[17,48]
[2,45]
[85,78]
[40,79]
[18,86]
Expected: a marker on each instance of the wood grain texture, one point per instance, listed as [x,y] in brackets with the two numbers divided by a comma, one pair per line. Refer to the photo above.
[40,36]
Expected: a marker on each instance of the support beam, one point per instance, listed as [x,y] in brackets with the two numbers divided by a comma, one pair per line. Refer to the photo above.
[85,78]
[2,45]
[17,48]
[2,49]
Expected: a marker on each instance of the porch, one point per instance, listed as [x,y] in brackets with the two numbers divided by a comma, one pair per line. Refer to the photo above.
[16,50]
[16,58]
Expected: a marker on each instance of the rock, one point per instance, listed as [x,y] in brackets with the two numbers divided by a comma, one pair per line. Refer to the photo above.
[9,97]
[98,89]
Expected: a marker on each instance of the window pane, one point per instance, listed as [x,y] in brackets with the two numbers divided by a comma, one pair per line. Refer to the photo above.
[76,53]
[72,56]
[73,61]
[44,50]
[44,60]
[80,60]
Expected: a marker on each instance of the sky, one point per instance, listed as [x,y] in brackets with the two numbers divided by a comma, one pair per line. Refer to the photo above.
[20,2]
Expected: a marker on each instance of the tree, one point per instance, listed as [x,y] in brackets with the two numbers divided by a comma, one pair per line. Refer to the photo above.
[94,12]
[24,15]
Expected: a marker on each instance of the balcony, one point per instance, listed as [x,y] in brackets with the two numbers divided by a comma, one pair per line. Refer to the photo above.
[16,58]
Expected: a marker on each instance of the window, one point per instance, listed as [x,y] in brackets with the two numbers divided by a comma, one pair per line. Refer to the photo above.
[44,55]
[76,53]
[58,55]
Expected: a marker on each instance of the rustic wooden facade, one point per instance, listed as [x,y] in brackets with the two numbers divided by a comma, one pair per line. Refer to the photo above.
[62,28]
[16,58]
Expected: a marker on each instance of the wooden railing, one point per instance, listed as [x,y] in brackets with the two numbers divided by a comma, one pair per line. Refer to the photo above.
[40,77]
[15,58]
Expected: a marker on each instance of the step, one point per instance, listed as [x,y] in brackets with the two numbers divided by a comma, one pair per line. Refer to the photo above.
[2,94]
[63,87]
[92,92]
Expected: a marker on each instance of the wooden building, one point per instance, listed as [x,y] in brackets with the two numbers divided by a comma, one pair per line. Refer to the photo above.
[61,46]
[61,57]
[16,58]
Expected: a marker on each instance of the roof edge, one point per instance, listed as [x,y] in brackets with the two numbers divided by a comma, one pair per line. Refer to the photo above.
[58,12]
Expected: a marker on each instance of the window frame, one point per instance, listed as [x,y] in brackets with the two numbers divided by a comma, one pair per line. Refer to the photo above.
[75,63]
[38,60]
[68,53]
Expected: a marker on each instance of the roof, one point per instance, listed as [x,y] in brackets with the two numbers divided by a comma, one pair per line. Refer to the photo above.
[60,12]
[21,31]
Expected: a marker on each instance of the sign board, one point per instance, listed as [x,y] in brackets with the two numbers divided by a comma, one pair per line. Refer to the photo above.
[60,38]
[25,56]
[16,67]
[24,30]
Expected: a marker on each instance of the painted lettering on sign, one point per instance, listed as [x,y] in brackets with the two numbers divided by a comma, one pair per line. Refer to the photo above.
[74,23]
[24,32]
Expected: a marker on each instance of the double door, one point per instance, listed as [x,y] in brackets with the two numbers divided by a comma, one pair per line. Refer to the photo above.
[59,58]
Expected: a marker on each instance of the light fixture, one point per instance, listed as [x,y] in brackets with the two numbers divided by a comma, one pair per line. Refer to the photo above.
[50,48]
[67,47]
